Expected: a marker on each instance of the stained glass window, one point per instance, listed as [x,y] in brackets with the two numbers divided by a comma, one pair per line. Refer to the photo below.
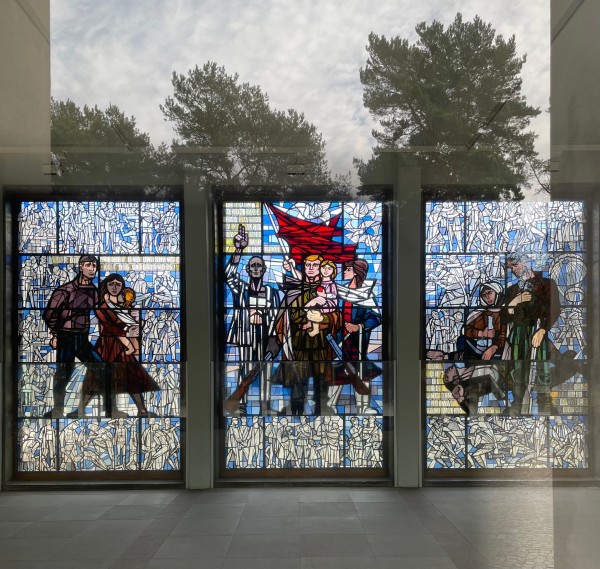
[99,342]
[303,349]
[505,335]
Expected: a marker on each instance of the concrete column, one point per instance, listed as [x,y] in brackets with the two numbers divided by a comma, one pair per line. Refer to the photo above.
[199,377]
[406,303]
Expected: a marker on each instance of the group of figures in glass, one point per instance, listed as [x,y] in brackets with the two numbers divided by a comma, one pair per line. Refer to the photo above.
[80,343]
[305,341]
[505,295]
[299,442]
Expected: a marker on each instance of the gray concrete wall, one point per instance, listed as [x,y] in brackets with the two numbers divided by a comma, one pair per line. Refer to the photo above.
[24,123]
[24,92]
[575,154]
[199,372]
[575,92]
[406,302]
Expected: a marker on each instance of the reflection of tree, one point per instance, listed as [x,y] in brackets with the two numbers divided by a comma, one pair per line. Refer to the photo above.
[92,145]
[230,134]
[453,100]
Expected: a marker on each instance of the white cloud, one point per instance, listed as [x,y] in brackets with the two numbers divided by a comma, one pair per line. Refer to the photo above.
[304,53]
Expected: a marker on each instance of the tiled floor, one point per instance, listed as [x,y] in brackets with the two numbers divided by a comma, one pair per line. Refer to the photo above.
[302,528]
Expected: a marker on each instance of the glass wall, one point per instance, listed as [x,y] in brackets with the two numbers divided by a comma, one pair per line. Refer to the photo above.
[449,95]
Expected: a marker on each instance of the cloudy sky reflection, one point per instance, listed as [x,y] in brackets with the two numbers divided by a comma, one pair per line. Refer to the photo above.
[306,54]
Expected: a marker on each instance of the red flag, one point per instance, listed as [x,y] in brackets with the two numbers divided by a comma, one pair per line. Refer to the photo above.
[308,238]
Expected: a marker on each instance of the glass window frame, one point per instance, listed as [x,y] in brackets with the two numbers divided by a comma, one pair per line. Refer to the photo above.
[219,196]
[432,476]
[13,196]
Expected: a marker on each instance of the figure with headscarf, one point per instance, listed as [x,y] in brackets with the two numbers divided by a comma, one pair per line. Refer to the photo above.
[484,338]
[485,333]
[360,315]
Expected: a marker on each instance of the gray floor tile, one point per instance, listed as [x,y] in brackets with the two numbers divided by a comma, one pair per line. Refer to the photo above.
[25,514]
[275,525]
[416,563]
[382,509]
[93,548]
[575,562]
[215,511]
[76,564]
[30,550]
[325,495]
[395,525]
[161,527]
[465,556]
[284,495]
[261,563]
[339,563]
[435,523]
[173,510]
[305,527]
[331,525]
[34,499]
[13,564]
[377,495]
[206,526]
[76,512]
[144,547]
[330,545]
[100,498]
[129,564]
[271,509]
[578,544]
[148,499]
[327,509]
[461,496]
[212,497]
[402,545]
[191,563]
[134,512]
[117,529]
[264,545]
[9,529]
[193,546]
[41,530]
[422,509]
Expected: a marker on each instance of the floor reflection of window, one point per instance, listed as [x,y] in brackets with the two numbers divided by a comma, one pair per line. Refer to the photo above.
[99,345]
[505,334]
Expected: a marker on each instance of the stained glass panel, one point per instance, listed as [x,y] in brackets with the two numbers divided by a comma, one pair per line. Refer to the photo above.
[37,445]
[568,441]
[444,227]
[37,227]
[303,346]
[161,446]
[244,442]
[96,445]
[507,442]
[455,280]
[99,324]
[445,442]
[154,279]
[499,278]
[160,228]
[99,227]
